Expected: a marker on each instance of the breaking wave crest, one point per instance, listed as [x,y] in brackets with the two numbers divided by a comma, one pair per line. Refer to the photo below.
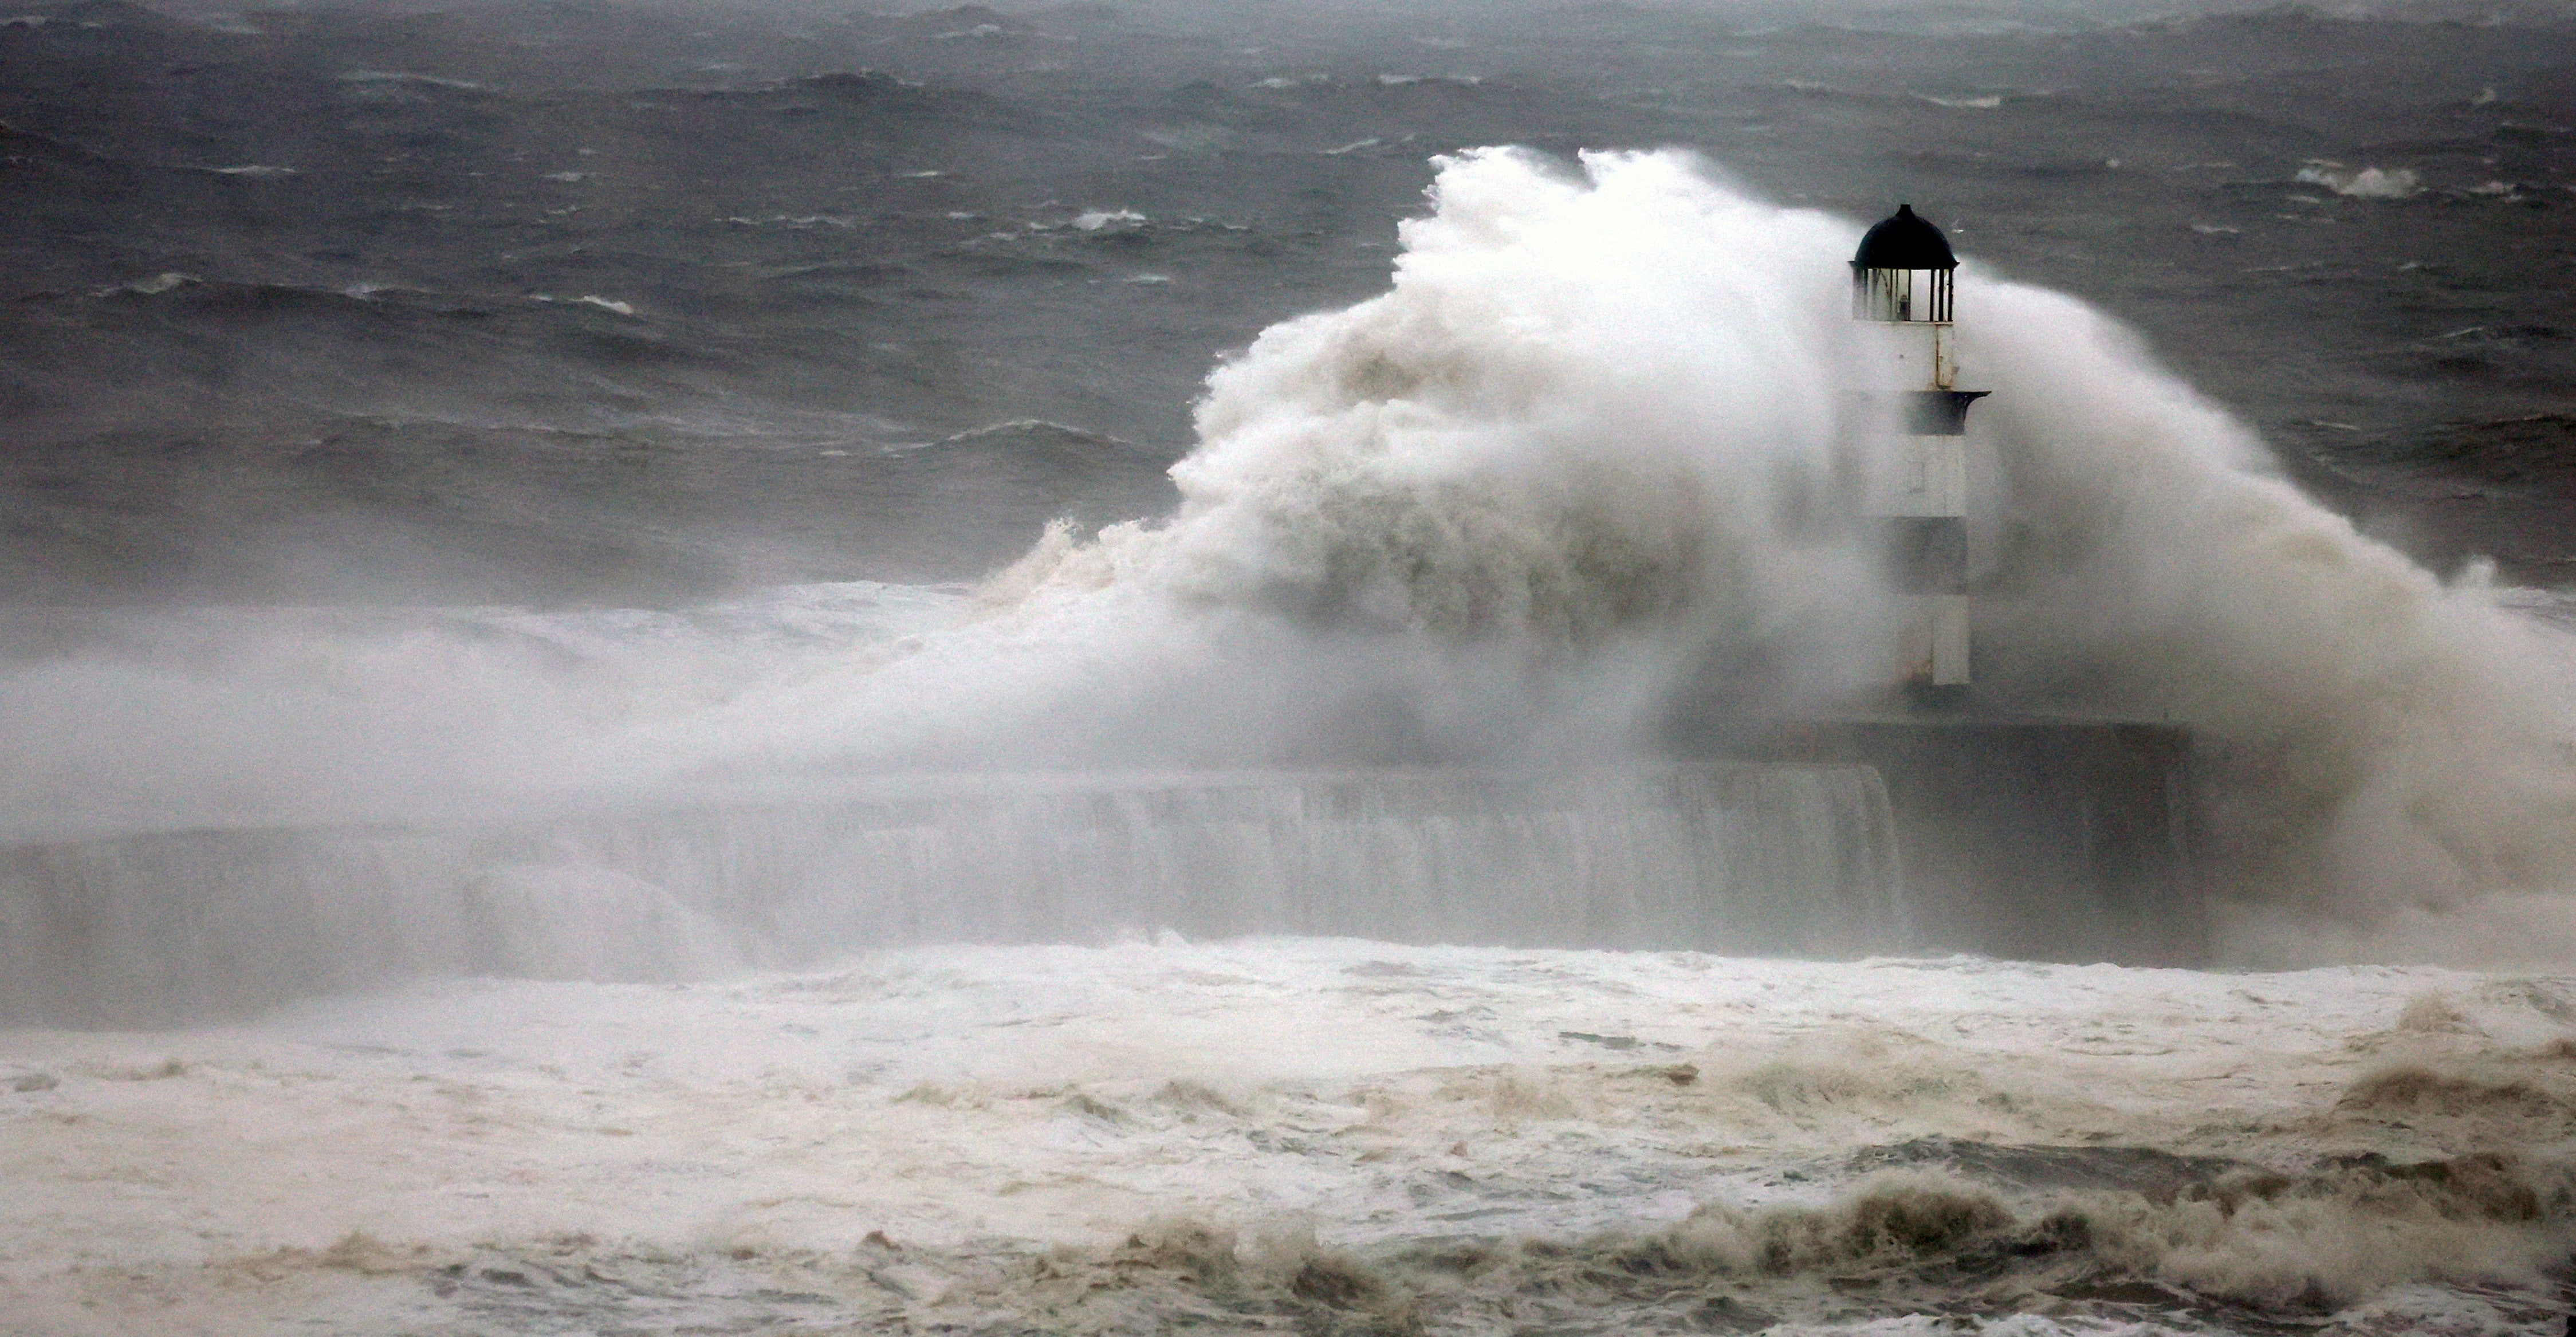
[2256,1243]
[2245,1251]
[1328,1136]
[1597,442]
[1598,439]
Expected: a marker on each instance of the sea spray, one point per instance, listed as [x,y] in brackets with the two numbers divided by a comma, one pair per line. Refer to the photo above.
[1605,420]
[1601,436]
[2388,757]
[171,927]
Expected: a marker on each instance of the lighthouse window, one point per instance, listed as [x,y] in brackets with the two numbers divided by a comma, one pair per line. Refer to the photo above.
[1902,295]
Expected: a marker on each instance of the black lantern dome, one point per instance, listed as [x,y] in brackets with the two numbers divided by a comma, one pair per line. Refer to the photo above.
[1904,240]
[1901,274]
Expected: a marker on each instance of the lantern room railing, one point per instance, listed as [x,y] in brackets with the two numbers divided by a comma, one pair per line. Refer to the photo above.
[1901,296]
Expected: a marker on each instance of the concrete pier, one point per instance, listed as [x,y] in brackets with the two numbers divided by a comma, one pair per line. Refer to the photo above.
[2027,837]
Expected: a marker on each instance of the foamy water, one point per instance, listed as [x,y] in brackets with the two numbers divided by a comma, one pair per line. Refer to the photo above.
[1265,1132]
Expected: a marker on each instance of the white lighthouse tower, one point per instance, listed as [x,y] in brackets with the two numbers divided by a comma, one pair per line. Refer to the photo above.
[1917,484]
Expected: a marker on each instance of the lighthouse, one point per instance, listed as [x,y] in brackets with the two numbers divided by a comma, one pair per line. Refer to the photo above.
[1917,473]
[2027,834]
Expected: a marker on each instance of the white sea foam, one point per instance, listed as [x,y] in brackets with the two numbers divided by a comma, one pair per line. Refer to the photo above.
[2370,183]
[165,281]
[987,1136]
[1095,219]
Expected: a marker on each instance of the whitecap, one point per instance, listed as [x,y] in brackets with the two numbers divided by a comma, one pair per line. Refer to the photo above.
[154,286]
[587,299]
[2370,183]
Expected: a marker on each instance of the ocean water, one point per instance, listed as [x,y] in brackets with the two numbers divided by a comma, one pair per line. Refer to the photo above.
[1316,1134]
[1492,514]
[684,685]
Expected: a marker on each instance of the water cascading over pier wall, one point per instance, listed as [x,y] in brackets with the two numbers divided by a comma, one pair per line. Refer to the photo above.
[2029,838]
[162,927]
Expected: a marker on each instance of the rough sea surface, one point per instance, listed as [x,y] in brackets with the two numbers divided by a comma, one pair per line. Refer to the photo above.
[583,585]
[1316,1136]
[638,303]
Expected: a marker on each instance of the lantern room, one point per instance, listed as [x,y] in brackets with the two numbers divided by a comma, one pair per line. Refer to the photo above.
[1901,275]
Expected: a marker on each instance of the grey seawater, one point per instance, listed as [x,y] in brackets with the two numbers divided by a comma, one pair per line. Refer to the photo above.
[163,927]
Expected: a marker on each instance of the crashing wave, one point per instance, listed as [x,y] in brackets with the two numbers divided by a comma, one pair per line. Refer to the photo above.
[1596,442]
